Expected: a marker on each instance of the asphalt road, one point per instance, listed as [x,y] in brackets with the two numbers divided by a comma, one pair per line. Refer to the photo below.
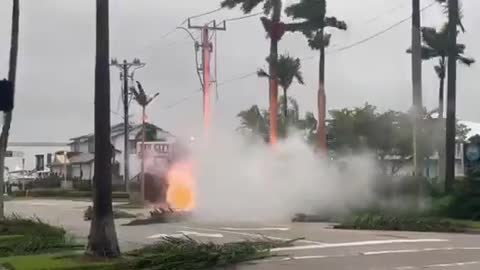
[323,248]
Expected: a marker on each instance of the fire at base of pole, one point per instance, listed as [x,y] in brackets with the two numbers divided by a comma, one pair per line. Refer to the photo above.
[169,183]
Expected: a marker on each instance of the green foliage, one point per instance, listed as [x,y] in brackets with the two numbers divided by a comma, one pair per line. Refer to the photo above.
[288,68]
[52,262]
[387,133]
[312,14]
[188,254]
[255,121]
[401,223]
[20,236]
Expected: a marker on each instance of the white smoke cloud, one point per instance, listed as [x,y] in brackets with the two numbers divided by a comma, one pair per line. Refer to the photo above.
[240,180]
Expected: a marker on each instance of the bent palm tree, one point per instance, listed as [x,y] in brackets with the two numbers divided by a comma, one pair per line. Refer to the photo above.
[313,14]
[102,241]
[436,46]
[288,69]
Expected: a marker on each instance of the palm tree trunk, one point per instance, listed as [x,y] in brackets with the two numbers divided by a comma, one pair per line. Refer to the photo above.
[102,240]
[451,95]
[321,102]
[441,123]
[285,106]
[417,87]
[12,74]
[273,84]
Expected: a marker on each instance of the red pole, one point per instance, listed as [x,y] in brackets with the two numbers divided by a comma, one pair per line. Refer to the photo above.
[206,49]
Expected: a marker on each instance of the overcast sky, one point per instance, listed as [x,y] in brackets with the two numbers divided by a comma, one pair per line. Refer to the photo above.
[54,99]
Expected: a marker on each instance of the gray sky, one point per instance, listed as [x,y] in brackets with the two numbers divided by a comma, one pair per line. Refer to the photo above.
[54,99]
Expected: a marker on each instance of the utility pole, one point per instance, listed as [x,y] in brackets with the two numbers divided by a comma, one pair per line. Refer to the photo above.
[417,88]
[207,48]
[453,19]
[143,100]
[124,76]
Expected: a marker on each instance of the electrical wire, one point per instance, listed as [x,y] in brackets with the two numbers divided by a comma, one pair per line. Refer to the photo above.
[247,75]
[380,32]
[242,17]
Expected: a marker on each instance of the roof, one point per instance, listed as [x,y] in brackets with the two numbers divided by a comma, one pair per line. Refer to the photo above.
[117,130]
[82,158]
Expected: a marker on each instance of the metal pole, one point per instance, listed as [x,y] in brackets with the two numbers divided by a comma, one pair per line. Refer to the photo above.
[126,172]
[142,181]
[65,168]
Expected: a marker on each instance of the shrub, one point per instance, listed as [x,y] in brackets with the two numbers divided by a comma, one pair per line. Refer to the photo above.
[21,236]
[401,223]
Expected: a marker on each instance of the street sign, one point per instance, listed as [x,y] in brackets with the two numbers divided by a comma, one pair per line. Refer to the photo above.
[157,149]
[11,154]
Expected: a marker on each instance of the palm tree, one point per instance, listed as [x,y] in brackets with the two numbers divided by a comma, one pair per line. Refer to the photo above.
[275,29]
[255,121]
[313,12]
[102,240]
[288,69]
[12,74]
[436,46]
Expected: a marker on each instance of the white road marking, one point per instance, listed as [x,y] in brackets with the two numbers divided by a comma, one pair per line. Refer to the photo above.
[282,229]
[360,243]
[383,252]
[43,204]
[452,264]
[212,235]
[251,235]
[181,234]
[406,268]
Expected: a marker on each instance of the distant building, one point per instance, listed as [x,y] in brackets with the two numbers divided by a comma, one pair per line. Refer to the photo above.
[78,162]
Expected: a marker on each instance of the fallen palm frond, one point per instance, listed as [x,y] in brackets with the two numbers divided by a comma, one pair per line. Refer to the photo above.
[188,254]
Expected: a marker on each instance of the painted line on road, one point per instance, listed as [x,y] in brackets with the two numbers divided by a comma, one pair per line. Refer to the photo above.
[181,234]
[359,243]
[252,235]
[282,229]
[382,252]
[451,264]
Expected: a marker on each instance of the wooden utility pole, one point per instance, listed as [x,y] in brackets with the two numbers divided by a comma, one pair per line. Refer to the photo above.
[453,19]
[417,87]
[207,48]
[124,76]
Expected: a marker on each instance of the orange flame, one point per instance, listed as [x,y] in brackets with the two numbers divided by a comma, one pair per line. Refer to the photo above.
[180,194]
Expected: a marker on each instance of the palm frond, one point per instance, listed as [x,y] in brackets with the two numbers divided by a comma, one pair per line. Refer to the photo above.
[466,60]
[246,5]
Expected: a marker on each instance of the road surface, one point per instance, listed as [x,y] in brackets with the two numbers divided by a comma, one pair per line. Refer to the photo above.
[323,248]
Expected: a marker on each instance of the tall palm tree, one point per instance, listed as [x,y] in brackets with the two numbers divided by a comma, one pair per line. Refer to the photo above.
[288,69]
[12,74]
[102,240]
[313,13]
[435,46]
[275,29]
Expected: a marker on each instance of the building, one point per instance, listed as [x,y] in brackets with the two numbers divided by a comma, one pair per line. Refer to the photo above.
[78,162]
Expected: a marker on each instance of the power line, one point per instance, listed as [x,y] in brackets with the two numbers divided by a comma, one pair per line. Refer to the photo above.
[250,74]
[243,17]
[186,19]
[381,32]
